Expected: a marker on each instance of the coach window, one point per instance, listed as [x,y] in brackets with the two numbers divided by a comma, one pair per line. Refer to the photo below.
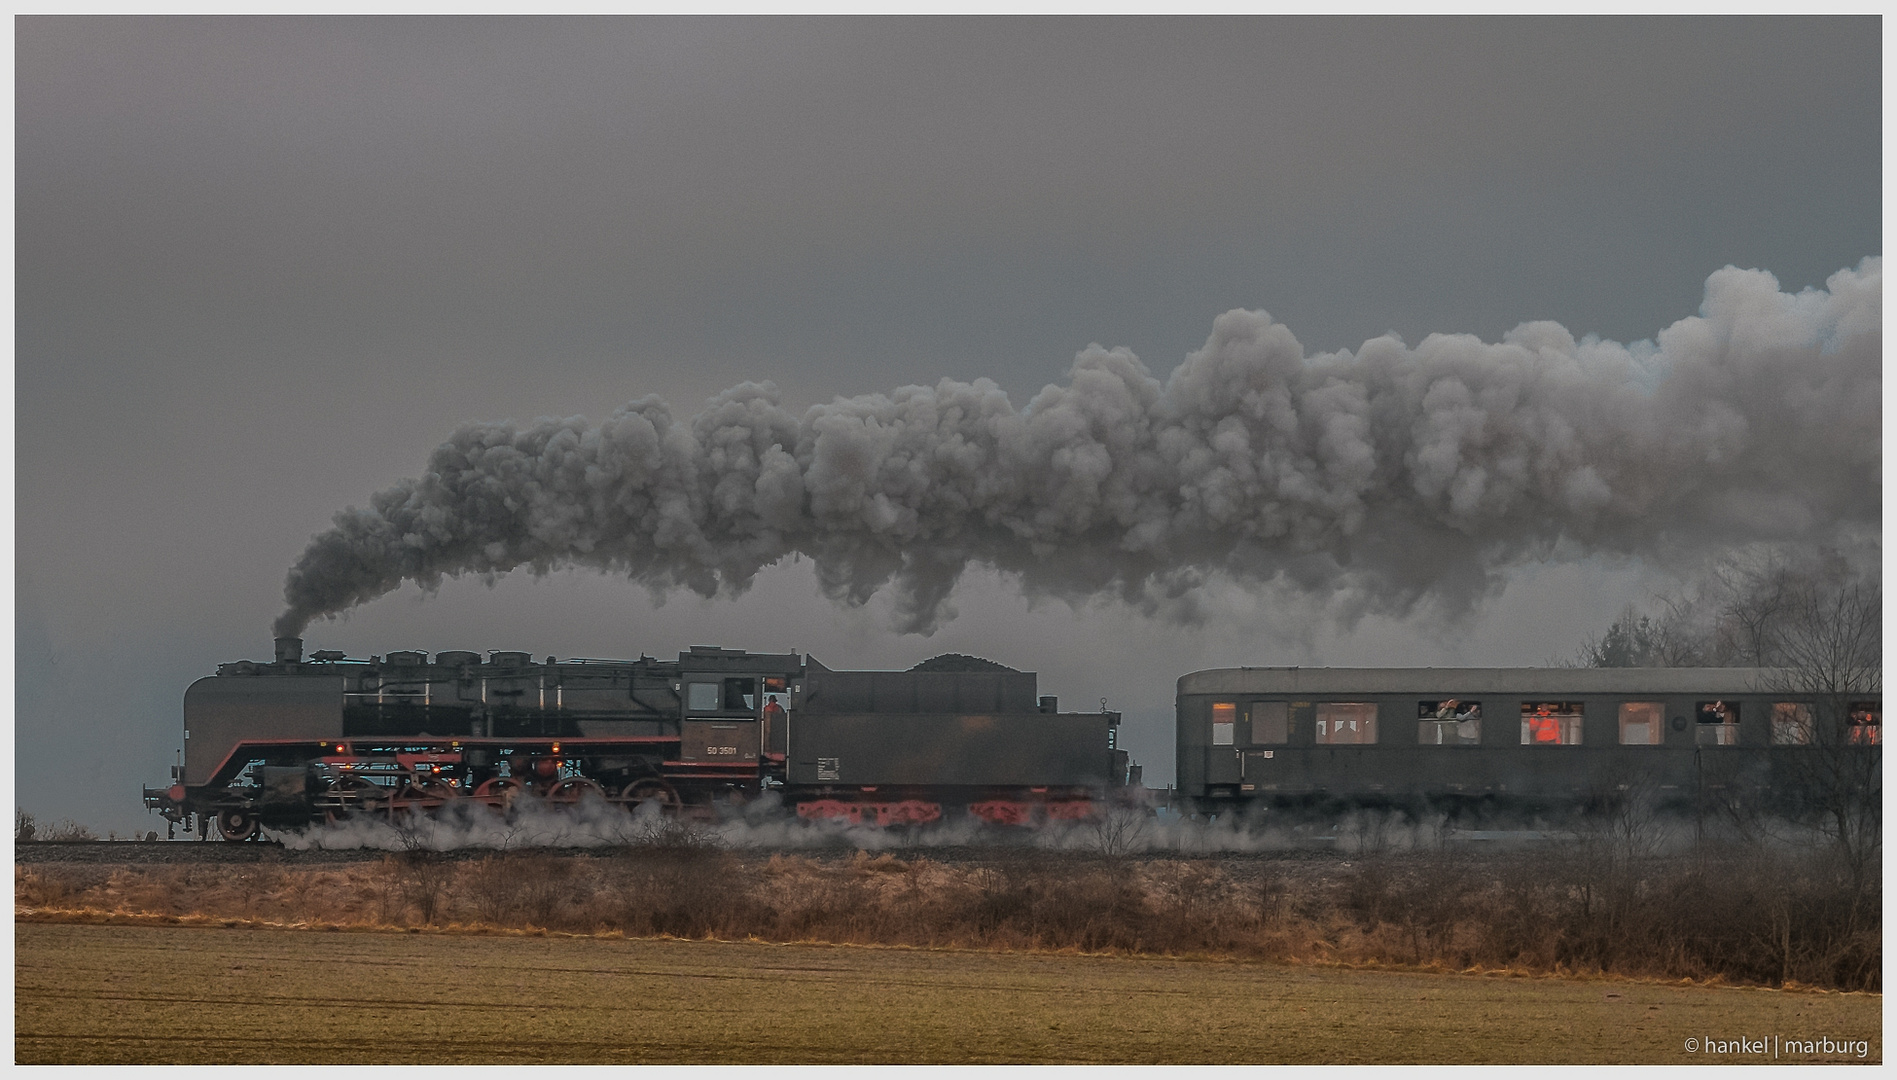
[701,697]
[1791,723]
[1866,723]
[1449,722]
[1718,723]
[1224,722]
[1642,723]
[1270,723]
[1551,723]
[1346,722]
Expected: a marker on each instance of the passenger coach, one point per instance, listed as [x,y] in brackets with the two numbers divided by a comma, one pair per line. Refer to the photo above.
[1531,737]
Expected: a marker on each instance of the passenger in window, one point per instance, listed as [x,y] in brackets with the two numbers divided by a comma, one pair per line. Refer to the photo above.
[1791,724]
[1544,728]
[1866,725]
[1718,723]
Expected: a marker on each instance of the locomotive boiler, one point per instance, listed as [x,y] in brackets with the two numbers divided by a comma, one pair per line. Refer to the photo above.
[298,740]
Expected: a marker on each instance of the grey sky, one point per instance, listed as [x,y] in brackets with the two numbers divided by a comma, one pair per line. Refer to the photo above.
[265,266]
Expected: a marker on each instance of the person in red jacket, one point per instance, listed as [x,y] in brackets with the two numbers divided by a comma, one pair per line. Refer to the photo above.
[774,716]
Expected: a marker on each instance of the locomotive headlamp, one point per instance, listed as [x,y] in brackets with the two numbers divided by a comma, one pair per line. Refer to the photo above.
[556,748]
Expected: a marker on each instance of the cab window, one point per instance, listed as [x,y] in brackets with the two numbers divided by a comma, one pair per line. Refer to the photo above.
[740,695]
[701,697]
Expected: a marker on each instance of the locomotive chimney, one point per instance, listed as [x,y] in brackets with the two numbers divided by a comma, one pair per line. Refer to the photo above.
[289,650]
[1050,704]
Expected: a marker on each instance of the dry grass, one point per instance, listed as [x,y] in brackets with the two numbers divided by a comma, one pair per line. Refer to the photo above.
[1743,919]
[145,994]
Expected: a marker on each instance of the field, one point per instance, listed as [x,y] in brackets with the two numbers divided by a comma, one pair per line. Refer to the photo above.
[140,993]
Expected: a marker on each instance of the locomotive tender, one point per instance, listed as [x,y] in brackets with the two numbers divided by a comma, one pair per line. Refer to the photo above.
[297,741]
[1518,738]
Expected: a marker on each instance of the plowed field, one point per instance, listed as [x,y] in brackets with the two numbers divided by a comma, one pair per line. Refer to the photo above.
[91,993]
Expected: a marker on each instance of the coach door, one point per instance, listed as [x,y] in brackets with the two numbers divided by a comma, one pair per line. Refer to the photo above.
[1221,756]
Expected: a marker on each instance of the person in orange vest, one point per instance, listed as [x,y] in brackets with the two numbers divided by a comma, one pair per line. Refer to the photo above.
[1544,728]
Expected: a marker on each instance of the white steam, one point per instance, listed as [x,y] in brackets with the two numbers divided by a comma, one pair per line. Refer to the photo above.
[764,825]
[1386,477]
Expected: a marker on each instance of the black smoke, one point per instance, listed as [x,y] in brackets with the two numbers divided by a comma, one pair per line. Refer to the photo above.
[1390,475]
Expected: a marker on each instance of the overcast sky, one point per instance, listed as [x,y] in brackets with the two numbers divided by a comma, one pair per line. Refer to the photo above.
[265,266]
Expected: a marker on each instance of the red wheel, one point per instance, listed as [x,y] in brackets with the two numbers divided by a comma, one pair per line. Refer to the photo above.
[348,794]
[572,790]
[499,792]
[238,824]
[649,790]
[430,793]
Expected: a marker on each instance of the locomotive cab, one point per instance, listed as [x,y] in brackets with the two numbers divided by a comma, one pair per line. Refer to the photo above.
[735,706]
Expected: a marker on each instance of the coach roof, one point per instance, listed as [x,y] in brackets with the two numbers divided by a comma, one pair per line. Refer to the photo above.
[1537,682]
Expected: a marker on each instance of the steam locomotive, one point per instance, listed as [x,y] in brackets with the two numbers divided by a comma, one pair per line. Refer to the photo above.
[1509,738]
[302,740]
[296,741]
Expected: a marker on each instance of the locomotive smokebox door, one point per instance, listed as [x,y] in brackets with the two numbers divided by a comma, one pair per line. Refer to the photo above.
[718,740]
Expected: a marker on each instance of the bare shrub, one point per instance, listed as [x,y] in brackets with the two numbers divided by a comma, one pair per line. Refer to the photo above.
[493,885]
[1431,904]
[1119,830]
[1270,899]
[68,830]
[1519,930]
[1745,914]
[681,891]
[1188,888]
[250,886]
[65,887]
[544,882]
[386,890]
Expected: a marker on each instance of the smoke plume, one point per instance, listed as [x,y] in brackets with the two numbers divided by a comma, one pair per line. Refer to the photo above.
[1390,476]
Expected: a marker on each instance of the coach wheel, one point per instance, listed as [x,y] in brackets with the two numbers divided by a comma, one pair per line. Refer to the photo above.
[657,792]
[572,790]
[237,824]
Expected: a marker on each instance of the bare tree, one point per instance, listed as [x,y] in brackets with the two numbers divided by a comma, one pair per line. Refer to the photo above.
[1828,648]
[1815,623]
[423,872]
[1674,637]
[1737,613]
[1119,829]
